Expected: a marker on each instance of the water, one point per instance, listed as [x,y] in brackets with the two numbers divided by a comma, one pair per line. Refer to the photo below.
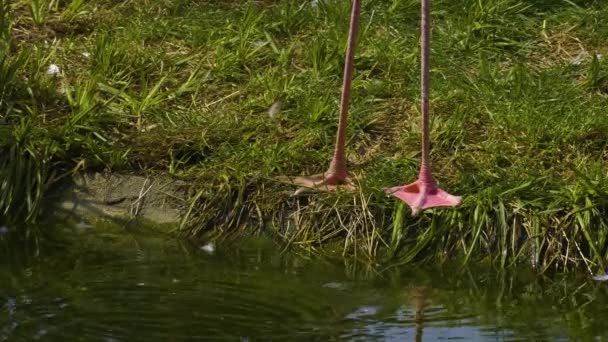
[108,285]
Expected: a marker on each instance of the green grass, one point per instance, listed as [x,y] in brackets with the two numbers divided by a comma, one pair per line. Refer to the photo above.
[519,127]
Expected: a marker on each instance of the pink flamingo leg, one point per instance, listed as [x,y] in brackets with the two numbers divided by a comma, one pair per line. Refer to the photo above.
[337,173]
[424,192]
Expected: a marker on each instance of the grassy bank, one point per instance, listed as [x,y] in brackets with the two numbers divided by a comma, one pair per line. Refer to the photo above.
[519,124]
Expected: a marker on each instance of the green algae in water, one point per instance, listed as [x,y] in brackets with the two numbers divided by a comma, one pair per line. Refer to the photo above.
[115,284]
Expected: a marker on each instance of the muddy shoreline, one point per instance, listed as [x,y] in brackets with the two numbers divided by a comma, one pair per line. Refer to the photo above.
[157,199]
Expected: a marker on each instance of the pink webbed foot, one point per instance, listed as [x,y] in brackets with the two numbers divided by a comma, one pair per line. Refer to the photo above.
[420,196]
[320,182]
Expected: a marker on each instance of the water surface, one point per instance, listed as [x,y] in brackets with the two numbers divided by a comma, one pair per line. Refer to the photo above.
[109,284]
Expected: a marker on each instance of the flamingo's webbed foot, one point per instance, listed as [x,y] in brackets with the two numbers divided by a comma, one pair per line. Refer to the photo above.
[420,196]
[322,182]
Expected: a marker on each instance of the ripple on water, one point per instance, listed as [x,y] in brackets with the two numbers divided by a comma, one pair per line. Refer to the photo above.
[363,312]
[125,297]
[133,292]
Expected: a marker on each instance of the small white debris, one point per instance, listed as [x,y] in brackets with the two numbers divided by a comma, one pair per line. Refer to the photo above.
[40,334]
[53,70]
[578,60]
[149,128]
[314,3]
[209,248]
[3,230]
[274,109]
[259,43]
[599,56]
[86,54]
[603,277]
[83,225]
[364,311]
[141,284]
[335,285]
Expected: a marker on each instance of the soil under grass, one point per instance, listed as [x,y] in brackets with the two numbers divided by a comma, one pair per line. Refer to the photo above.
[519,91]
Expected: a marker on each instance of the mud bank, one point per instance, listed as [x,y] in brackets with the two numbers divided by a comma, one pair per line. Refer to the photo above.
[157,199]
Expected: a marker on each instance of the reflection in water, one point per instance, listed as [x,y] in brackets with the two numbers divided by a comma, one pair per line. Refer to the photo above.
[114,286]
[418,295]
